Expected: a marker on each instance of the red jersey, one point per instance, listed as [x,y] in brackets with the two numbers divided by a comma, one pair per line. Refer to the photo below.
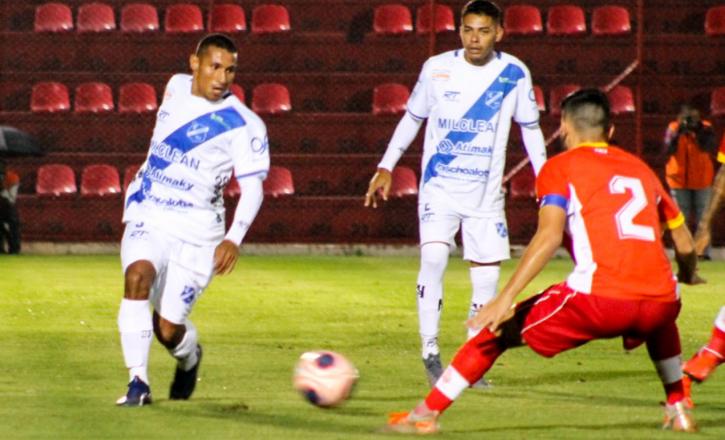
[615,205]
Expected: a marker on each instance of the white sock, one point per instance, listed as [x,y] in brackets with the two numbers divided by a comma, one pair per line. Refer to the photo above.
[669,370]
[433,262]
[185,352]
[136,328]
[484,280]
[720,320]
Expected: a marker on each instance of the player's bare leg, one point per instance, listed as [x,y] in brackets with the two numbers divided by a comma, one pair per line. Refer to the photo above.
[181,340]
[433,262]
[136,329]
[484,279]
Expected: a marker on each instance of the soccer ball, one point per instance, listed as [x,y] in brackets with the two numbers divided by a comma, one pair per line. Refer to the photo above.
[324,378]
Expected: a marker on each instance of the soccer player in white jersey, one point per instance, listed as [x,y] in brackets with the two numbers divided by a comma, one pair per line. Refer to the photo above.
[175,238]
[469,98]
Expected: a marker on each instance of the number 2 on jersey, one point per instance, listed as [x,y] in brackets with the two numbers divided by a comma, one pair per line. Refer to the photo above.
[625,216]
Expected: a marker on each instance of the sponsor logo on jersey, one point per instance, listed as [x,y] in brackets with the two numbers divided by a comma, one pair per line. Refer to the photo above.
[466,125]
[532,95]
[493,99]
[462,171]
[441,75]
[157,175]
[259,145]
[168,154]
[163,114]
[505,80]
[447,146]
[197,132]
[451,95]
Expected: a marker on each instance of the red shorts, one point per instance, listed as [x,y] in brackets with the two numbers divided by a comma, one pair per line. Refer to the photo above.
[560,318]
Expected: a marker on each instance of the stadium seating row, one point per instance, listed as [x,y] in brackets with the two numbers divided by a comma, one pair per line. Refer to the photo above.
[274,98]
[389,19]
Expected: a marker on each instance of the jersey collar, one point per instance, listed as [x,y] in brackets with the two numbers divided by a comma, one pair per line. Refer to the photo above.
[593,144]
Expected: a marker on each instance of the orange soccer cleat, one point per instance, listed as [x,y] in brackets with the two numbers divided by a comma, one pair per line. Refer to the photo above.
[687,388]
[678,418]
[702,364]
[410,423]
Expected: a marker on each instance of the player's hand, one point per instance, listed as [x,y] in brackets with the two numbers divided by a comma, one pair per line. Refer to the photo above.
[382,180]
[492,315]
[225,257]
[702,239]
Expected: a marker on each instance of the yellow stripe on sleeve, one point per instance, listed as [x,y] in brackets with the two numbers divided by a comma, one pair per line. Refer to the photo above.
[721,157]
[676,222]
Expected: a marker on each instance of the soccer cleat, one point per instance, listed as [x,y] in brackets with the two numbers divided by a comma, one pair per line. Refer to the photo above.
[678,418]
[687,388]
[139,394]
[433,368]
[409,423]
[702,364]
[185,381]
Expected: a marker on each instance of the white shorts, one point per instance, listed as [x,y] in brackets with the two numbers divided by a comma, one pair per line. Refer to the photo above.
[485,239]
[183,270]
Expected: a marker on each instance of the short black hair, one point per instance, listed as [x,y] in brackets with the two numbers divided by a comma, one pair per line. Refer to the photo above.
[588,109]
[483,7]
[217,40]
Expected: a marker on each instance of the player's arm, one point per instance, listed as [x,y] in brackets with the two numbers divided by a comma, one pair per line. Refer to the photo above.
[535,145]
[548,236]
[403,136]
[527,116]
[702,236]
[685,254]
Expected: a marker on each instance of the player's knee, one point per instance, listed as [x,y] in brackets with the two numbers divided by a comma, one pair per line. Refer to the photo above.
[138,280]
[434,258]
[168,333]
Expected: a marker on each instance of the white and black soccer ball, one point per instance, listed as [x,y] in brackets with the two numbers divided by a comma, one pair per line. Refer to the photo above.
[324,378]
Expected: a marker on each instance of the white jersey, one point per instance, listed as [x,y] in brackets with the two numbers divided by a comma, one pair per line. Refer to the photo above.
[469,110]
[195,145]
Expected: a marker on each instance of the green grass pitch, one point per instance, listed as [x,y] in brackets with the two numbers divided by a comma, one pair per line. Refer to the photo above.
[61,367]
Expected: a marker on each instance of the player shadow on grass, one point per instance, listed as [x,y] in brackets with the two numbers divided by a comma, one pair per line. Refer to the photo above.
[569,376]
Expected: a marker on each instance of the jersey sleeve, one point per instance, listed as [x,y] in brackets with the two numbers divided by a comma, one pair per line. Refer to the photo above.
[552,187]
[527,112]
[250,151]
[419,103]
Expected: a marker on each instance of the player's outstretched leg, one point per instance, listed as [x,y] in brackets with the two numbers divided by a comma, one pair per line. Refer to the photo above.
[468,366]
[707,359]
[433,261]
[484,280]
[663,347]
[188,353]
[135,327]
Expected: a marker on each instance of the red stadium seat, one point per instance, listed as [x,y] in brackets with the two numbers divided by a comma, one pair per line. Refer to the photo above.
[611,20]
[129,174]
[621,100]
[55,180]
[53,17]
[715,21]
[523,184]
[717,102]
[227,18]
[137,98]
[93,97]
[444,21]
[392,19]
[49,97]
[540,101]
[139,17]
[271,98]
[238,92]
[100,180]
[278,182]
[558,94]
[95,17]
[183,18]
[522,20]
[232,189]
[390,99]
[270,19]
[404,182]
[566,20]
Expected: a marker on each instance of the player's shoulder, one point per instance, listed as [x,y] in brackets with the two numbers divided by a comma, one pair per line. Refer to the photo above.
[511,60]
[180,80]
[442,60]
[250,118]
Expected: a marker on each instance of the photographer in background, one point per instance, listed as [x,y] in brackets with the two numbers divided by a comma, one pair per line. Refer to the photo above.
[690,147]
[9,221]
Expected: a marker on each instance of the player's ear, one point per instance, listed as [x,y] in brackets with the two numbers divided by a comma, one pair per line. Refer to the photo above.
[194,63]
[499,32]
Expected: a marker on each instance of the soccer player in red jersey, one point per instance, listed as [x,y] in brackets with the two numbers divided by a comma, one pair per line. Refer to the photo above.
[711,355]
[612,206]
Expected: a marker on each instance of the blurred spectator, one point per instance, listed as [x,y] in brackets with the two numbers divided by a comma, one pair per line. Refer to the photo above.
[9,221]
[690,147]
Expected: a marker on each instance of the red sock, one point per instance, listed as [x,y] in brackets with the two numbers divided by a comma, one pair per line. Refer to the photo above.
[675,392]
[473,359]
[717,342]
